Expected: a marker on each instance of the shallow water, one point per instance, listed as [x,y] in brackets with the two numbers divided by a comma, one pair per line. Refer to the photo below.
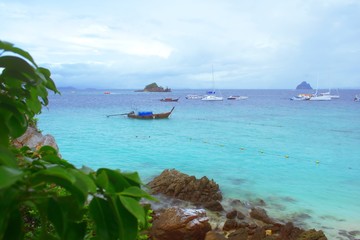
[301,157]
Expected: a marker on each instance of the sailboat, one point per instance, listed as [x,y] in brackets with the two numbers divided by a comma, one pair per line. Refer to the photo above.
[319,97]
[211,94]
[332,96]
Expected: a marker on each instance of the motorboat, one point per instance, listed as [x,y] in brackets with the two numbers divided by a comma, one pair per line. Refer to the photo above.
[194,97]
[302,97]
[357,98]
[212,98]
[237,97]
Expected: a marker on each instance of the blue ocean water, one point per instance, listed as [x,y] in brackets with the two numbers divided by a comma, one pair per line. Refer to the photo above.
[301,157]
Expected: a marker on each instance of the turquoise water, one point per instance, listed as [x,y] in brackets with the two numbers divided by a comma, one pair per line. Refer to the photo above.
[300,157]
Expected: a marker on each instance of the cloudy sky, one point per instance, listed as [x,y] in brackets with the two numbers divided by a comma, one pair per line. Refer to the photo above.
[249,43]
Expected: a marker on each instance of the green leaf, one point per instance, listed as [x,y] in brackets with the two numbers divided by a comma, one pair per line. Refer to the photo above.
[18,64]
[134,177]
[14,225]
[134,207]
[115,180]
[137,192]
[128,222]
[57,172]
[10,48]
[106,222]
[47,150]
[7,158]
[9,176]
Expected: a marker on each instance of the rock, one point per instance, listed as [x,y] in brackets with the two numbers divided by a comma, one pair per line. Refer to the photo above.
[212,235]
[288,231]
[312,235]
[304,85]
[240,234]
[178,224]
[178,185]
[260,214]
[213,206]
[231,215]
[230,224]
[153,87]
[33,138]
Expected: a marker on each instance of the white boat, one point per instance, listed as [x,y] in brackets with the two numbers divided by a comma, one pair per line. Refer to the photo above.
[211,94]
[237,97]
[193,96]
[320,98]
[332,96]
[357,98]
[302,97]
[212,98]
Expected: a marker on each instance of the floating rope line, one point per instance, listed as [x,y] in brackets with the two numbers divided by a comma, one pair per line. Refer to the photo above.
[261,152]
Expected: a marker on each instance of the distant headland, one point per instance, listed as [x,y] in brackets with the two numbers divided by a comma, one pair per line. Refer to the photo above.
[153,87]
[304,85]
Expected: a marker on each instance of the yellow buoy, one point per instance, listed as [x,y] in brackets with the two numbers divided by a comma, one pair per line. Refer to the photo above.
[286,156]
[317,161]
[268,232]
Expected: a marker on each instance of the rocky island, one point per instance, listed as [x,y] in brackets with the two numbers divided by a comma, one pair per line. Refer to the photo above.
[304,85]
[153,87]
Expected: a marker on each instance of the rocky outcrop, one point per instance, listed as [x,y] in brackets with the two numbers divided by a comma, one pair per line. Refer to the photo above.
[178,224]
[33,138]
[244,221]
[178,185]
[304,85]
[153,87]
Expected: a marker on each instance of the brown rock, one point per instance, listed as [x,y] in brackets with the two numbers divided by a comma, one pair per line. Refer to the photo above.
[260,214]
[178,224]
[288,231]
[212,235]
[230,224]
[33,138]
[231,215]
[175,184]
[312,235]
[240,234]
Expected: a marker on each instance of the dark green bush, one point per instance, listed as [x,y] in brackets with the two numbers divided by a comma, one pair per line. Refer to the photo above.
[43,196]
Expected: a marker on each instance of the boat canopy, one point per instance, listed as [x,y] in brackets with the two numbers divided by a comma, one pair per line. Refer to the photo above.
[145,113]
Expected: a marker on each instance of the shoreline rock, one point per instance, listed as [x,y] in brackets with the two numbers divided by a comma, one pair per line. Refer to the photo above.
[243,221]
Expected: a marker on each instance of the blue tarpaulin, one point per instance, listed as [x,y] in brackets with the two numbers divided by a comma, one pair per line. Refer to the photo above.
[145,113]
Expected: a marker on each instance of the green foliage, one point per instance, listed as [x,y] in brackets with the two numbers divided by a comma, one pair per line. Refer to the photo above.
[44,196]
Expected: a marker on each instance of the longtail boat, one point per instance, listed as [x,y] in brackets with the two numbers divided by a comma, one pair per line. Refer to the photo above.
[149,115]
[169,99]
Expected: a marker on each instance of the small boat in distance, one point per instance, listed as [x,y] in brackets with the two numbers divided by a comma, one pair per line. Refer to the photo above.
[149,115]
[169,99]
[302,97]
[194,97]
[237,97]
[357,98]
[211,94]
[107,92]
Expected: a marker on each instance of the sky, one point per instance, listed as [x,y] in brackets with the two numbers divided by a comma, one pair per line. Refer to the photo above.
[249,44]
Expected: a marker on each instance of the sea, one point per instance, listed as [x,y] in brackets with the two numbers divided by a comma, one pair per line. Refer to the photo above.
[302,158]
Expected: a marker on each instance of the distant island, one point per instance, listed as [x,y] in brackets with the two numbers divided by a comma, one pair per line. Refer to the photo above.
[153,87]
[304,85]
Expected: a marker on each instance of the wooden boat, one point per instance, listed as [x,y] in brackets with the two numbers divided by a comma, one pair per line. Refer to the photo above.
[169,99]
[149,115]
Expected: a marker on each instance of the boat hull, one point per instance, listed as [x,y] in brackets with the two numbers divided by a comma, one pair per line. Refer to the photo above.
[150,116]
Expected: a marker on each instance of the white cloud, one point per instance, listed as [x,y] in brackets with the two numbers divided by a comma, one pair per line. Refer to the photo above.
[264,43]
